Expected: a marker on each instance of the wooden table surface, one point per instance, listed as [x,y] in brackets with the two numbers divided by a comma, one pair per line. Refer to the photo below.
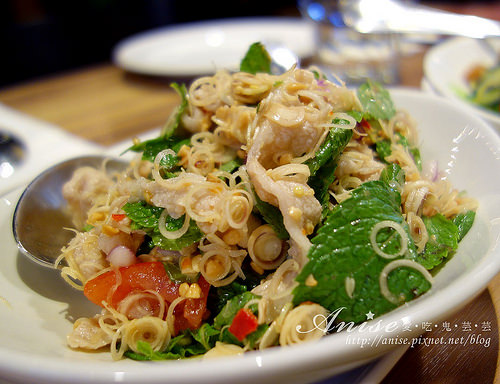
[105,105]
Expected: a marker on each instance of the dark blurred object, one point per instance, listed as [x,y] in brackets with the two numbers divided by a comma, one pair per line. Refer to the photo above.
[40,37]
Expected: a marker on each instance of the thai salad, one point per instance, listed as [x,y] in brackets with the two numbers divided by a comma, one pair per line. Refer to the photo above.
[266,201]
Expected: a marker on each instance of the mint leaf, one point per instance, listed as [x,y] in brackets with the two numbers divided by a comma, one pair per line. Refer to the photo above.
[145,216]
[206,335]
[172,126]
[226,315]
[219,296]
[171,136]
[192,235]
[146,353]
[256,60]
[273,216]
[464,222]
[253,337]
[394,176]
[142,214]
[332,147]
[383,148]
[443,241]
[324,162]
[174,274]
[342,249]
[231,165]
[376,101]
[151,148]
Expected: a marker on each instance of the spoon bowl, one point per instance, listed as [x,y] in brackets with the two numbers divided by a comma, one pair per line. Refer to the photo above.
[41,214]
[12,154]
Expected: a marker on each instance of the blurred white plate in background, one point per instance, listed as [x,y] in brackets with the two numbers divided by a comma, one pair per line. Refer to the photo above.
[445,68]
[200,48]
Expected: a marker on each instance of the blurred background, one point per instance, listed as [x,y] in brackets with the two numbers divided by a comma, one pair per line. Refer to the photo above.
[41,37]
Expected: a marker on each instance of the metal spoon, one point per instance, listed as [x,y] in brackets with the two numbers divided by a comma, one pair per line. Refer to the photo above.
[12,153]
[41,213]
[386,16]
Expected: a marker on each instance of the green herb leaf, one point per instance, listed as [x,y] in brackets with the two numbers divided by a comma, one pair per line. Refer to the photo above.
[142,214]
[394,176]
[231,165]
[192,235]
[145,216]
[324,162]
[342,249]
[273,216]
[256,60]
[383,148]
[174,274]
[225,317]
[376,101]
[255,336]
[172,126]
[443,241]
[146,353]
[151,148]
[206,335]
[464,222]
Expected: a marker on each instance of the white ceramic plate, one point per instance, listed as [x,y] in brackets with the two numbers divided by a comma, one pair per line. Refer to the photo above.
[445,67]
[36,307]
[202,47]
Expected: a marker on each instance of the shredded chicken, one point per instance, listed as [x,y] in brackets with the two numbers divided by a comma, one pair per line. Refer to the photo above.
[87,334]
[86,254]
[81,192]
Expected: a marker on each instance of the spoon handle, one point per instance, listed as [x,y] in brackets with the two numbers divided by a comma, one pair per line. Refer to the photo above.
[385,16]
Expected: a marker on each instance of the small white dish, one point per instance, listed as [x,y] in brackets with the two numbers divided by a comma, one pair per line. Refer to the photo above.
[200,48]
[37,308]
[445,68]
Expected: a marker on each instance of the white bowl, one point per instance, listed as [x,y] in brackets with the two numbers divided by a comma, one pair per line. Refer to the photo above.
[36,306]
[445,68]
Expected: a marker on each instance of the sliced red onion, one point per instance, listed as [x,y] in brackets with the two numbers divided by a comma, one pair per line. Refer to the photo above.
[121,256]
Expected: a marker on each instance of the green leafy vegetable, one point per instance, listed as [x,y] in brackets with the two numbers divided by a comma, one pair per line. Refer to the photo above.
[464,223]
[443,240]
[342,249]
[324,162]
[174,273]
[394,176]
[383,148]
[171,136]
[376,101]
[145,216]
[151,148]
[226,315]
[273,216]
[255,336]
[231,165]
[256,60]
[173,124]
